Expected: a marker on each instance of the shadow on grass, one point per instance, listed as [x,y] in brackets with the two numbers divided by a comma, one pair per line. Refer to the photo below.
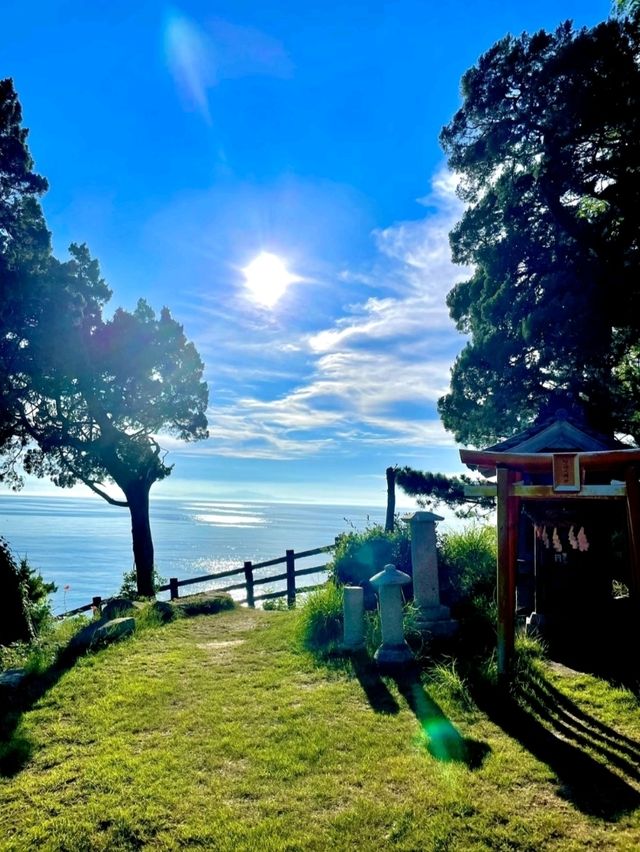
[376,690]
[601,653]
[16,748]
[578,748]
[444,742]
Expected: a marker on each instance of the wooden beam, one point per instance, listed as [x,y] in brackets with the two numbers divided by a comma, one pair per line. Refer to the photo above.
[508,511]
[588,492]
[546,492]
[489,490]
[633,520]
[488,461]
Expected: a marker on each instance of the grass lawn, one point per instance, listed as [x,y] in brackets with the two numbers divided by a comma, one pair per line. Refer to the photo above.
[219,733]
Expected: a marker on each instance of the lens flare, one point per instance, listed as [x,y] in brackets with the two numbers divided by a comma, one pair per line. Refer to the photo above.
[267,279]
[190,60]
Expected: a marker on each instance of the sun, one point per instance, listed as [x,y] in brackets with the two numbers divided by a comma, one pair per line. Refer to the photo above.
[267,279]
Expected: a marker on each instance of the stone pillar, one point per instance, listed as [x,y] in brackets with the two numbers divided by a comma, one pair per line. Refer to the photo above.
[433,616]
[353,612]
[388,583]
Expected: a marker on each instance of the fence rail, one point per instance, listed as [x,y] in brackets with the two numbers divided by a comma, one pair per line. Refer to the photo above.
[249,582]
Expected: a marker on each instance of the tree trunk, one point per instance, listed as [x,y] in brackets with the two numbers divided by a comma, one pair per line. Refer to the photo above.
[391,500]
[138,500]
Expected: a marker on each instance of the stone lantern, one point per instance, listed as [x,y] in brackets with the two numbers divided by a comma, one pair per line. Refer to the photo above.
[388,583]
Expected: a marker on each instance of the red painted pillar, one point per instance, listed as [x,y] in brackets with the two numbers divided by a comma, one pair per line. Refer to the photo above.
[508,513]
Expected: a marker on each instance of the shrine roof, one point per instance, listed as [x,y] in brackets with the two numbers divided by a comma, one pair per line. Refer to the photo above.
[558,433]
[613,462]
[533,448]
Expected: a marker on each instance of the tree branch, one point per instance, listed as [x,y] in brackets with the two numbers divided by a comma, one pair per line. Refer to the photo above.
[123,503]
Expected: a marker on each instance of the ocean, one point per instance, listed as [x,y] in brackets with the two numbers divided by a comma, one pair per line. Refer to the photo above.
[84,545]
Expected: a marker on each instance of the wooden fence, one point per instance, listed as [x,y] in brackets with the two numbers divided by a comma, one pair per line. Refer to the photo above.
[249,582]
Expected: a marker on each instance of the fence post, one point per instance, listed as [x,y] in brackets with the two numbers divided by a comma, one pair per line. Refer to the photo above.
[96,603]
[248,576]
[291,578]
[173,588]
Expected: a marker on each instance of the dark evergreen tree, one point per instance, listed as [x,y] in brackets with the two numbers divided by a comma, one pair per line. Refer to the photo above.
[24,253]
[547,146]
[24,602]
[109,389]
[83,398]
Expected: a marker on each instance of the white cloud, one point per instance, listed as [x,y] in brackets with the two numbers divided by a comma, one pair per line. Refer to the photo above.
[370,378]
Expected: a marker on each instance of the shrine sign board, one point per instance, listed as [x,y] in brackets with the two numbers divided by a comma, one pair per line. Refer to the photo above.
[566,472]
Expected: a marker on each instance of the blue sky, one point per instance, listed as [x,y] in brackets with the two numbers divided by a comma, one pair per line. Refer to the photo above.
[181,141]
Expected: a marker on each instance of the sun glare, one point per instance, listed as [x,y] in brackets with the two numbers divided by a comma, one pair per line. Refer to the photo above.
[267,279]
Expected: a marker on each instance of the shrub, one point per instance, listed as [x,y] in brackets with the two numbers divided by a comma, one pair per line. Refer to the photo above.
[467,566]
[24,603]
[129,587]
[276,604]
[44,650]
[320,620]
[358,556]
[467,562]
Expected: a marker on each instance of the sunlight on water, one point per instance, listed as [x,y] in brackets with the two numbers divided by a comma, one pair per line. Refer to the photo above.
[84,545]
[207,505]
[230,520]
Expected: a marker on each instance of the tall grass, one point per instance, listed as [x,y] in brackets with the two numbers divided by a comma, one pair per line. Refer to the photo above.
[468,561]
[320,620]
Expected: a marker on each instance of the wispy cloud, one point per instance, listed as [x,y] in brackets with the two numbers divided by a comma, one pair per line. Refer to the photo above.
[370,377]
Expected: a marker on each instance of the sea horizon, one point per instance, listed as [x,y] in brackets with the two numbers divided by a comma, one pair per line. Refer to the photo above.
[83,544]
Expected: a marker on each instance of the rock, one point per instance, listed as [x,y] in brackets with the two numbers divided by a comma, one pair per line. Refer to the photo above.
[12,678]
[117,607]
[83,638]
[164,610]
[206,603]
[102,630]
[111,631]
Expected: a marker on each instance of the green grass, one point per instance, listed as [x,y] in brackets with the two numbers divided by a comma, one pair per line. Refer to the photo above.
[222,733]
[38,655]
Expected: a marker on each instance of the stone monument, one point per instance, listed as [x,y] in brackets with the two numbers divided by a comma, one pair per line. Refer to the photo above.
[433,616]
[353,613]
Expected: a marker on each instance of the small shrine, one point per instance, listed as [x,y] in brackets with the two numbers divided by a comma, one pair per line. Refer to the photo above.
[568,516]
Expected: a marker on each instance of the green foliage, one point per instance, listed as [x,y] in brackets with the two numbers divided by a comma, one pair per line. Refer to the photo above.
[467,567]
[413,634]
[36,592]
[148,617]
[320,620]
[360,555]
[43,650]
[433,489]
[468,560]
[24,599]
[275,604]
[445,676]
[82,396]
[626,7]
[547,146]
[24,250]
[129,587]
